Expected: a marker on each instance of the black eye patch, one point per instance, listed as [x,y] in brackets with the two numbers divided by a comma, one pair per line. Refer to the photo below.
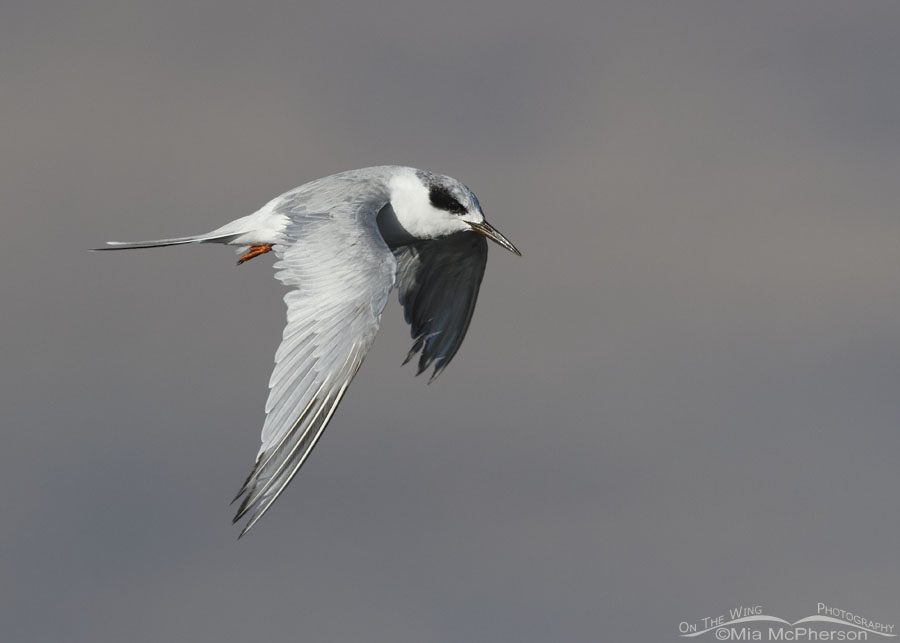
[442,200]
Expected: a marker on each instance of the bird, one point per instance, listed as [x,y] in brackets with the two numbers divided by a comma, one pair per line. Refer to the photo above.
[343,243]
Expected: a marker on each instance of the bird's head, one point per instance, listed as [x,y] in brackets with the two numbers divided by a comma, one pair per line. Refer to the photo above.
[429,206]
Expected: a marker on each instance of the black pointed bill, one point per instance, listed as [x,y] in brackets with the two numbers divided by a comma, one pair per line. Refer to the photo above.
[493,234]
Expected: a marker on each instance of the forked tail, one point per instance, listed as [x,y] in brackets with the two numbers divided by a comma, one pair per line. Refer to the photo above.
[159,243]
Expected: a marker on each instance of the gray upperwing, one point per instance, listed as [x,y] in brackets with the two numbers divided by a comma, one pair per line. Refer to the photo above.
[341,273]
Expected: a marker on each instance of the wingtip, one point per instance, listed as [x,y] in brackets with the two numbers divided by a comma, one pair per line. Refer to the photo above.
[245,528]
[253,520]
[437,371]
[243,508]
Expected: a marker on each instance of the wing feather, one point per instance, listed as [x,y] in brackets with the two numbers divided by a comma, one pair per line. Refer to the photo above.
[438,282]
[341,273]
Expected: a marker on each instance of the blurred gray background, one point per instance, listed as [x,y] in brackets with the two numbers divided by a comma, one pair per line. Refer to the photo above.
[684,397]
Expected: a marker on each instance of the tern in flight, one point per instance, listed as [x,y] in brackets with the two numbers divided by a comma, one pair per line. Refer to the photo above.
[343,242]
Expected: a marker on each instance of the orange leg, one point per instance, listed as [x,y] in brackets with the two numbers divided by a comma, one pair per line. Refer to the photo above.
[255,251]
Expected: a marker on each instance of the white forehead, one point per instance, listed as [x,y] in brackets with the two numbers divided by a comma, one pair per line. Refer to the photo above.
[411,202]
[406,186]
[413,185]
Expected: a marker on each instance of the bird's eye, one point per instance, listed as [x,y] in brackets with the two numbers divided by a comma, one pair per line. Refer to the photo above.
[441,199]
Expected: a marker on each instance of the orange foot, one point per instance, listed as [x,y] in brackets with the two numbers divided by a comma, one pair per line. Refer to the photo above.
[255,251]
